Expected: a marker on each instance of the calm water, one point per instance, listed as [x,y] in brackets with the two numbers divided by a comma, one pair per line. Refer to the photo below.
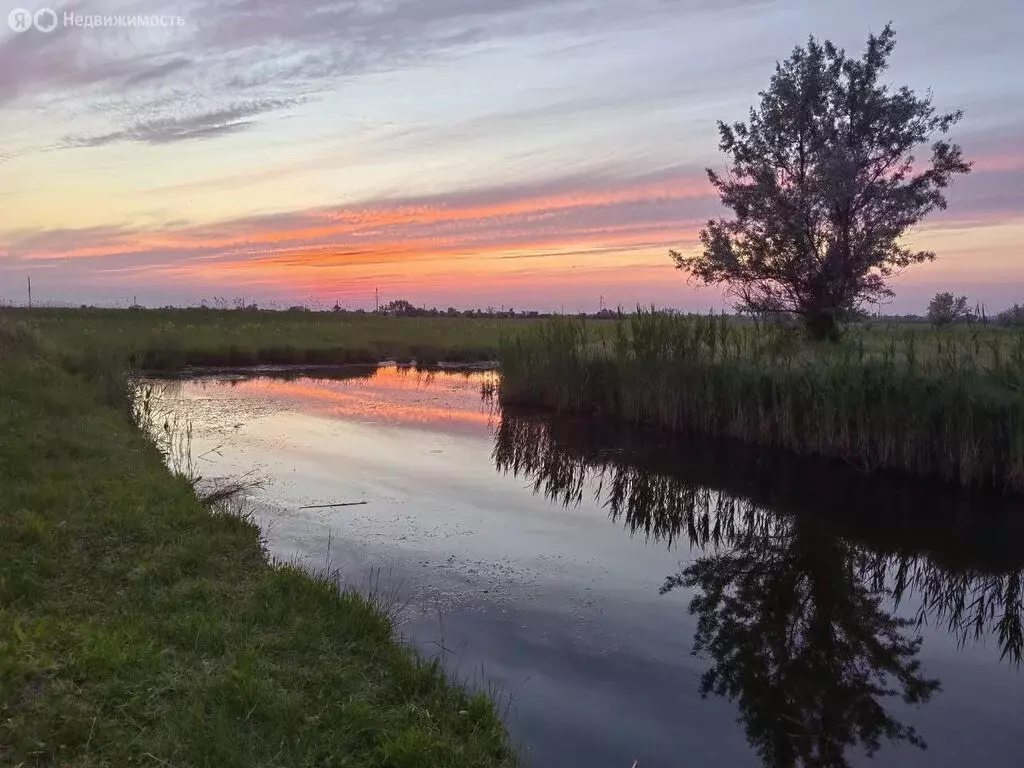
[635,597]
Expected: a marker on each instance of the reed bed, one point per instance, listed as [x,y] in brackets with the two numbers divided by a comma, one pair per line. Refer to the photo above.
[946,405]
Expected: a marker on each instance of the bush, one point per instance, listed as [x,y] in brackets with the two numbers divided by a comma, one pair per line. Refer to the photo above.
[945,309]
[1012,317]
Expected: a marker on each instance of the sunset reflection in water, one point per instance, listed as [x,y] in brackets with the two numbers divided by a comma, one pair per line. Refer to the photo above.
[391,395]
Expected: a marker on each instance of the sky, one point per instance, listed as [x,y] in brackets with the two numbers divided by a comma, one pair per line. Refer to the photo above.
[541,154]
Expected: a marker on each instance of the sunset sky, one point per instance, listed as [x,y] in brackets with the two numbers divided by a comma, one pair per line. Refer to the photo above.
[528,153]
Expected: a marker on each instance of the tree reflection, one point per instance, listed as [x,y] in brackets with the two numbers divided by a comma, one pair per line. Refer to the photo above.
[802,645]
[802,578]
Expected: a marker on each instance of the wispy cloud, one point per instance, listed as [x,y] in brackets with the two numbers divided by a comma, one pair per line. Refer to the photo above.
[149,81]
[630,212]
[184,127]
[430,141]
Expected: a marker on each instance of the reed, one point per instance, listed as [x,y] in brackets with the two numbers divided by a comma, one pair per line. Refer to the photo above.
[946,405]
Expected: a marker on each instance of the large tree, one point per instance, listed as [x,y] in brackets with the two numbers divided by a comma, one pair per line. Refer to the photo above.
[823,183]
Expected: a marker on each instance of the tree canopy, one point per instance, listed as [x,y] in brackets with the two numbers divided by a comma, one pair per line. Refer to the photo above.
[823,183]
[945,308]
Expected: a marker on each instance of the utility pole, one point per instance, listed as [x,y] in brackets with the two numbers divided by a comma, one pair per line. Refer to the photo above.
[376,299]
[30,293]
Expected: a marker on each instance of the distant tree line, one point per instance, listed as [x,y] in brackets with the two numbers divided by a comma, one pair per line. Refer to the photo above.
[945,308]
[1013,316]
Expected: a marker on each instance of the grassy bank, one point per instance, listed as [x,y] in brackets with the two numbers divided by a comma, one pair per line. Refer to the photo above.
[154,339]
[139,628]
[945,405]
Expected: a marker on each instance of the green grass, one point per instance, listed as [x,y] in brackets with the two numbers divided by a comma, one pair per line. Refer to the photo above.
[948,405]
[171,339]
[139,628]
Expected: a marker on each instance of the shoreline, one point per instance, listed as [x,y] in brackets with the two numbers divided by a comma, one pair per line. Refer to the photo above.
[137,624]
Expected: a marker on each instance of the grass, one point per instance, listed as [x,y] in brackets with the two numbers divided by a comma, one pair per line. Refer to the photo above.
[946,405]
[137,627]
[175,338]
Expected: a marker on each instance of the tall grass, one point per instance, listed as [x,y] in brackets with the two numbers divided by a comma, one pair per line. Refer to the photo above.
[945,405]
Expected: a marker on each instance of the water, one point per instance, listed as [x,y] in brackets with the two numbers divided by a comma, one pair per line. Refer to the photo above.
[634,596]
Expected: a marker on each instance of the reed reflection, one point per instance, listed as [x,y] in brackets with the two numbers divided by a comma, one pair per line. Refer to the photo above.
[804,577]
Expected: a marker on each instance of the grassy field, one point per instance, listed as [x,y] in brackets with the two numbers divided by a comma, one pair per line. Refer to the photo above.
[169,339]
[943,404]
[137,627]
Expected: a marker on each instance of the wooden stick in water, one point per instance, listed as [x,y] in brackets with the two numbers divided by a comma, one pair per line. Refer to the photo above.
[329,506]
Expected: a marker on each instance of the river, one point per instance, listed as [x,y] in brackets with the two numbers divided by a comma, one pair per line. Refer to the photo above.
[635,596]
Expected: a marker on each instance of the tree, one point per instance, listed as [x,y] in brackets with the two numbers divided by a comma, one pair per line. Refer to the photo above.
[1012,316]
[945,308]
[400,307]
[823,182]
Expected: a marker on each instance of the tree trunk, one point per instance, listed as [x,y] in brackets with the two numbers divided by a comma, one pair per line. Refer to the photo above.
[821,324]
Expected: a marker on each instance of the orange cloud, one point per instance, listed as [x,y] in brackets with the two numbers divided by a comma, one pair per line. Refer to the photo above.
[406,230]
[590,233]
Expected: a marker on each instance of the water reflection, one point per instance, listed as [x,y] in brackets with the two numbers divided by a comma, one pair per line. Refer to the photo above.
[802,645]
[811,582]
[387,394]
